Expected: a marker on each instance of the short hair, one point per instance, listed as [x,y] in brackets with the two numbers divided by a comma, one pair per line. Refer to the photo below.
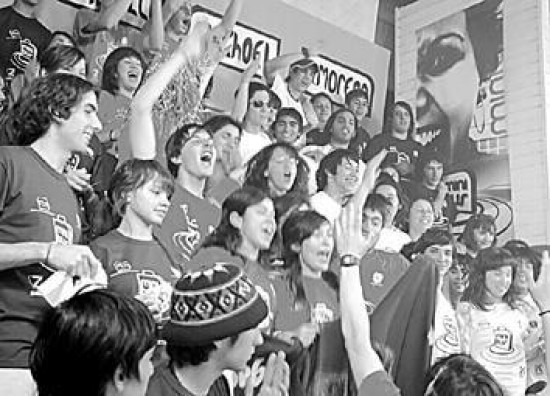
[64,34]
[181,356]
[319,95]
[47,98]
[217,122]
[59,57]
[432,236]
[460,375]
[109,78]
[330,162]
[378,203]
[291,112]
[177,141]
[520,250]
[256,86]
[274,100]
[481,221]
[82,342]
[428,156]
[356,93]
[488,259]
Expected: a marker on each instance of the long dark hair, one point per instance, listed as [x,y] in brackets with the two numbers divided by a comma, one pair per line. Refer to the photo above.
[255,172]
[226,235]
[297,228]
[489,259]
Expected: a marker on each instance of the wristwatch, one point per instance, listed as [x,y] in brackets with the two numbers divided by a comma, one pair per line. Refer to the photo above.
[349,260]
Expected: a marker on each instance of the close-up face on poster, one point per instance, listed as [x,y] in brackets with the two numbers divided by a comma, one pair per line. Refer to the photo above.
[460,105]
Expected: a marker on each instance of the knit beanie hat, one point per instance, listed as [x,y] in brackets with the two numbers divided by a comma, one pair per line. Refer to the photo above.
[213,304]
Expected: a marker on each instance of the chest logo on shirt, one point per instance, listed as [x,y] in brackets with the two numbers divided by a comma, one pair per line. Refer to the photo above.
[187,240]
[62,229]
[503,349]
[448,341]
[26,52]
[320,313]
[377,279]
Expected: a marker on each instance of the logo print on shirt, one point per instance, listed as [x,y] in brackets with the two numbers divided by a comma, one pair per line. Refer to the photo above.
[189,239]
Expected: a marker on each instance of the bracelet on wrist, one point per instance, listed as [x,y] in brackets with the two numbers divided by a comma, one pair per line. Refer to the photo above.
[349,260]
[542,313]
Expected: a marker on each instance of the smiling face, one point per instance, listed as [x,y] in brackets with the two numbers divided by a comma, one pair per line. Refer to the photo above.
[497,283]
[286,129]
[281,171]
[316,250]
[346,178]
[198,156]
[149,203]
[129,72]
[524,272]
[458,278]
[447,75]
[301,78]
[421,215]
[258,225]
[76,132]
[343,128]
[483,238]
[359,106]
[442,255]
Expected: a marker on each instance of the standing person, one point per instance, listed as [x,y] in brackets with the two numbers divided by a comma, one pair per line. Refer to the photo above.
[22,38]
[322,105]
[397,138]
[429,184]
[292,89]
[306,297]
[97,34]
[528,267]
[98,343]
[189,154]
[244,233]
[357,100]
[39,221]
[207,335]
[492,328]
[135,262]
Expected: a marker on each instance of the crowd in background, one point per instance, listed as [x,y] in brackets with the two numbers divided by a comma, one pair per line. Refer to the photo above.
[151,245]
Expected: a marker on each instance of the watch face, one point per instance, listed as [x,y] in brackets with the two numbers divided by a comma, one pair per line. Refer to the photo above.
[348,260]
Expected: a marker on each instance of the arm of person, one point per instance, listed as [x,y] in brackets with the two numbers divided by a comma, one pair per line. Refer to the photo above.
[108,17]
[370,174]
[279,64]
[231,15]
[141,127]
[76,260]
[240,104]
[540,290]
[153,30]
[363,359]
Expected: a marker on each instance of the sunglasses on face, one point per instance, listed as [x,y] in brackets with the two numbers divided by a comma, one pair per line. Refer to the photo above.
[258,104]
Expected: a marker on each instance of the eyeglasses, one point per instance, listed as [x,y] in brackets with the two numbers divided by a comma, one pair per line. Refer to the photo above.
[258,104]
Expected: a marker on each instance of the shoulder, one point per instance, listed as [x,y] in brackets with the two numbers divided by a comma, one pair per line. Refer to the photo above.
[378,383]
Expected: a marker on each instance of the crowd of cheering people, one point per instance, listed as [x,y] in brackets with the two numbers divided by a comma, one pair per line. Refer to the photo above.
[152,246]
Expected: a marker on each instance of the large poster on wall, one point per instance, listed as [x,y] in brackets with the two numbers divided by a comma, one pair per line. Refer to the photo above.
[460,108]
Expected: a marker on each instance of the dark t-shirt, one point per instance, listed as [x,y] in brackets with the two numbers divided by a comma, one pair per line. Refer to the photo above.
[165,383]
[22,39]
[399,151]
[380,271]
[36,205]
[188,221]
[378,383]
[415,190]
[139,269]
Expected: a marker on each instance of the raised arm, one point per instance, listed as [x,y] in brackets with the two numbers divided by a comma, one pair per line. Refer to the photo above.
[368,181]
[231,15]
[240,104]
[108,17]
[283,62]
[141,130]
[355,320]
[153,30]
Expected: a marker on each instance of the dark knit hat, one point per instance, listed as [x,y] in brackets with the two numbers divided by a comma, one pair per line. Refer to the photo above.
[213,304]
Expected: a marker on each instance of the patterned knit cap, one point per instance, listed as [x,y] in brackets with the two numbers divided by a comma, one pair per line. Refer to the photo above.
[213,304]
